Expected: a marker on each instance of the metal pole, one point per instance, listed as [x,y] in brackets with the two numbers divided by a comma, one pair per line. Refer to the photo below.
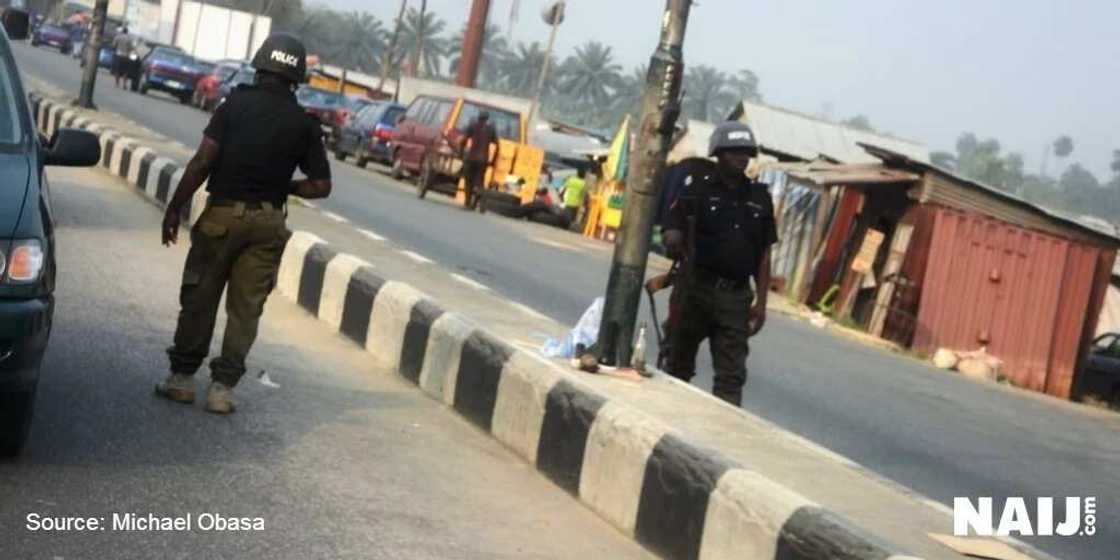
[473,41]
[92,54]
[660,109]
[387,60]
[544,73]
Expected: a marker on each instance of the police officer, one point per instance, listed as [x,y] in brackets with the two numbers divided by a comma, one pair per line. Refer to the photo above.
[249,152]
[722,225]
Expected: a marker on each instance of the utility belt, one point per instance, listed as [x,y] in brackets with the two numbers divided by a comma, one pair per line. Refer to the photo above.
[711,279]
[240,206]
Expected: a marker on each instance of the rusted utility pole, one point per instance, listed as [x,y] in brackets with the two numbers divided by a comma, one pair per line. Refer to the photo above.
[387,60]
[92,54]
[660,109]
[473,41]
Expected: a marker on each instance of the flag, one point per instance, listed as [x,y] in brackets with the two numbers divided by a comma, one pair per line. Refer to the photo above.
[619,156]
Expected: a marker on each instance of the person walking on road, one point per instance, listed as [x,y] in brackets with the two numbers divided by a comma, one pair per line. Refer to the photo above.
[249,152]
[480,135]
[123,46]
[722,225]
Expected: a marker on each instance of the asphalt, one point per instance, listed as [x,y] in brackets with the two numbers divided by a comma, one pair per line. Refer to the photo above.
[939,434]
[338,461]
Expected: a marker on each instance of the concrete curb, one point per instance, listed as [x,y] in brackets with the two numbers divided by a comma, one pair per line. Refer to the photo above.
[678,499]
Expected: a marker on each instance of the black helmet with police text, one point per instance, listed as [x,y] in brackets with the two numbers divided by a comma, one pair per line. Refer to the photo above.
[282,54]
[732,135]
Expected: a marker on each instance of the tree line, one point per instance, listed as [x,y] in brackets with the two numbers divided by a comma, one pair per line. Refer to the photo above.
[586,87]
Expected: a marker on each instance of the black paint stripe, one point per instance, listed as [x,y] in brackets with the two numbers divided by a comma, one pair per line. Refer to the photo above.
[163,186]
[311,276]
[568,415]
[813,533]
[423,315]
[356,308]
[68,121]
[145,168]
[126,161]
[678,479]
[480,369]
[107,155]
[56,120]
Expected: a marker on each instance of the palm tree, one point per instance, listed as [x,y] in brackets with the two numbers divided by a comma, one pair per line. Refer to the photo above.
[495,54]
[590,76]
[523,68]
[707,95]
[628,95]
[361,43]
[435,46]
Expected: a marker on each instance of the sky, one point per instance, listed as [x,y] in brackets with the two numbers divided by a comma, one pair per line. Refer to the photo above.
[1020,71]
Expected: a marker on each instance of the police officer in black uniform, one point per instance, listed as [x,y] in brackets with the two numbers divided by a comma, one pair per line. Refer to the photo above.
[249,152]
[722,226]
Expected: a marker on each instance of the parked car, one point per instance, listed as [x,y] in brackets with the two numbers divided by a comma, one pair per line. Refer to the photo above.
[245,76]
[207,91]
[1101,375]
[27,243]
[320,104]
[169,70]
[366,136]
[53,35]
[426,144]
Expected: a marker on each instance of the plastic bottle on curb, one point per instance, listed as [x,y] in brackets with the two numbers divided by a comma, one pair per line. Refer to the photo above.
[638,359]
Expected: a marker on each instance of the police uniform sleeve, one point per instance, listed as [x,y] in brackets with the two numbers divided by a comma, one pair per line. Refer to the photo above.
[314,163]
[216,128]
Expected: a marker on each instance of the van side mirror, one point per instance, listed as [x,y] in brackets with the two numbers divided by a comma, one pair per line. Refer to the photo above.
[17,23]
[71,147]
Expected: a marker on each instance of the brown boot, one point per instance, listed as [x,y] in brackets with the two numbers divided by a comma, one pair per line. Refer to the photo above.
[177,387]
[219,398]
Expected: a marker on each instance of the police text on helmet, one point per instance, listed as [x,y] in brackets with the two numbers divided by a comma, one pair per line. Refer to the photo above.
[285,58]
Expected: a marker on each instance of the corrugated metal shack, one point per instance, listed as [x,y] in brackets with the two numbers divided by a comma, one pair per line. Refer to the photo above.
[929,259]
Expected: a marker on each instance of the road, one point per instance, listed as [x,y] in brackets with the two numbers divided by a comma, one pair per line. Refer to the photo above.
[939,434]
[338,461]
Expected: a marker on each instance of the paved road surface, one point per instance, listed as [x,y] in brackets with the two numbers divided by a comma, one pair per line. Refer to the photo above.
[941,435]
[340,461]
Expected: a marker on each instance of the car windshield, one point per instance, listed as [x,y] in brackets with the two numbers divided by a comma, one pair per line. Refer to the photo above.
[245,76]
[11,129]
[225,72]
[356,103]
[506,124]
[172,57]
[392,114]
[318,97]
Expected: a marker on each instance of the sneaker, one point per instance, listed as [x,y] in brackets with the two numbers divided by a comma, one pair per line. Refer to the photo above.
[219,398]
[177,387]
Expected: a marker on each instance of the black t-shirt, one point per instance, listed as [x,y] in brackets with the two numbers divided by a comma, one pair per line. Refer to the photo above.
[263,136]
[734,223]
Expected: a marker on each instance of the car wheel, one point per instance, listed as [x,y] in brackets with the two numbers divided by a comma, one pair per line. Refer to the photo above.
[144,84]
[15,420]
[362,161]
[66,49]
[426,177]
[397,169]
[339,154]
[184,99]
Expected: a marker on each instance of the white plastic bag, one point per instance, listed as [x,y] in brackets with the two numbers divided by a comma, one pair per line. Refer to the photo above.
[586,332]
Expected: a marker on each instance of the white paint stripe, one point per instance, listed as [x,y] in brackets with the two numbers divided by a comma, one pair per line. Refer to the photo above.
[619,444]
[441,358]
[520,403]
[470,282]
[309,204]
[745,516]
[335,217]
[154,170]
[392,309]
[291,264]
[336,280]
[370,234]
[554,244]
[416,257]
[530,311]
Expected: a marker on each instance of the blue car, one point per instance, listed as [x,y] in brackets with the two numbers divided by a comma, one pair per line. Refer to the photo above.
[366,136]
[54,36]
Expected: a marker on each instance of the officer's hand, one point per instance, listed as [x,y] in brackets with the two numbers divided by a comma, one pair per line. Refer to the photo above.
[170,228]
[756,317]
[674,242]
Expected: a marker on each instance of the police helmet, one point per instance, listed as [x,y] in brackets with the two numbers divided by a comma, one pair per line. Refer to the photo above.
[732,135]
[282,54]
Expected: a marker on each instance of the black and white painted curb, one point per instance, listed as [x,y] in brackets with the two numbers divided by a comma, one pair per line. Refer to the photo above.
[674,497]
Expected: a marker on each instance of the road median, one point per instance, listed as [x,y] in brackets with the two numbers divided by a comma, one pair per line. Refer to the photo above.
[614,446]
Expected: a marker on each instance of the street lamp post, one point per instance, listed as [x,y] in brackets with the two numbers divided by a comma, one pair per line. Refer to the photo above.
[553,15]
[660,109]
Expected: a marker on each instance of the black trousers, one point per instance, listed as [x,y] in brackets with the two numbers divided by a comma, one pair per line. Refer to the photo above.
[474,174]
[700,311]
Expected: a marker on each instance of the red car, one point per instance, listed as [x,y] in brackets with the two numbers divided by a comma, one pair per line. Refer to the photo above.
[208,90]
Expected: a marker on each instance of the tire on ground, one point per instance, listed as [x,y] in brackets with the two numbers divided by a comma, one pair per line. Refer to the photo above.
[500,202]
